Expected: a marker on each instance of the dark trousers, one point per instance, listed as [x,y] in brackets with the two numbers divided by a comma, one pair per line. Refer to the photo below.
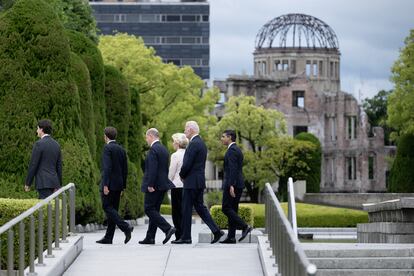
[44,193]
[152,205]
[176,202]
[194,197]
[110,204]
[230,207]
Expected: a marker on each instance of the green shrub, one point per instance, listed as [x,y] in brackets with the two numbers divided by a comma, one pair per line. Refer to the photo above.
[118,103]
[213,198]
[80,74]
[79,168]
[402,173]
[245,213]
[132,202]
[166,209]
[9,209]
[135,132]
[313,178]
[87,50]
[258,212]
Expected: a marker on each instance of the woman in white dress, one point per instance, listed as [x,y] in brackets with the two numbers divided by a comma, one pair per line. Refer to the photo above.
[180,142]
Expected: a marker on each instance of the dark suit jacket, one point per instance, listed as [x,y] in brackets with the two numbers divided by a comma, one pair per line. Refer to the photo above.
[233,168]
[156,169]
[194,164]
[114,167]
[45,164]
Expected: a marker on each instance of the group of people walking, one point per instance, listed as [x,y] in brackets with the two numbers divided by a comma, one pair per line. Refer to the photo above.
[184,175]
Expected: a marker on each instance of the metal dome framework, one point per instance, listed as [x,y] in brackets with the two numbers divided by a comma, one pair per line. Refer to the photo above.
[297,30]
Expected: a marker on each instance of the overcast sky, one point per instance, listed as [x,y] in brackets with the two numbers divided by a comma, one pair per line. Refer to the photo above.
[370,34]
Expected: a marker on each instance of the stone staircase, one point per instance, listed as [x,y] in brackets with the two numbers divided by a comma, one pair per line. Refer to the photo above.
[333,259]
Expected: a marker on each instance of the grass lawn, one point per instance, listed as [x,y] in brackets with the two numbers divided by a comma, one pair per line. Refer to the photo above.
[309,215]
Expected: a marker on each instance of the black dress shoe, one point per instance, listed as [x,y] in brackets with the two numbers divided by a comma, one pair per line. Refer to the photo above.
[147,241]
[217,236]
[168,235]
[104,241]
[229,241]
[180,241]
[245,232]
[128,234]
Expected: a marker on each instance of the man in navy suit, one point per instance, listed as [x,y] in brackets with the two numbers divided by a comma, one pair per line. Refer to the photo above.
[193,175]
[46,162]
[233,187]
[113,183]
[155,184]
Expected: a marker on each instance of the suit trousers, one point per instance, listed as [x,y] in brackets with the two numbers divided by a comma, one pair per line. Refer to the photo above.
[230,207]
[44,193]
[194,197]
[152,205]
[176,202]
[110,204]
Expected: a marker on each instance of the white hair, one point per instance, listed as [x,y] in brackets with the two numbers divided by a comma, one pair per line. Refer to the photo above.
[180,139]
[193,126]
[153,132]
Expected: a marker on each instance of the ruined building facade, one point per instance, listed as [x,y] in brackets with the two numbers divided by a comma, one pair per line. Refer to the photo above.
[299,75]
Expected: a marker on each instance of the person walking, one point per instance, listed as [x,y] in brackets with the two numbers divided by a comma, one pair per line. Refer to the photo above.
[193,175]
[155,184]
[46,162]
[233,185]
[113,183]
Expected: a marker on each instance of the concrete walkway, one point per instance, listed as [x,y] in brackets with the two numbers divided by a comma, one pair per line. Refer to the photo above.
[135,259]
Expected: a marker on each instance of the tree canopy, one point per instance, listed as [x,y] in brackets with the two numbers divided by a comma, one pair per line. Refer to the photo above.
[169,95]
[401,101]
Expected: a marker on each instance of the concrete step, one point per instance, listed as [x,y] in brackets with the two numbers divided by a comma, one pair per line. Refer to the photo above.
[364,272]
[364,263]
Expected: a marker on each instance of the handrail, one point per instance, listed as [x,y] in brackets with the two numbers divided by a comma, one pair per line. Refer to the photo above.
[290,256]
[30,211]
[60,229]
[292,207]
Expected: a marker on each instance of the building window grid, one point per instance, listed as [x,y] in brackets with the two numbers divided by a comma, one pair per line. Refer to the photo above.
[298,99]
[150,18]
[176,40]
[193,62]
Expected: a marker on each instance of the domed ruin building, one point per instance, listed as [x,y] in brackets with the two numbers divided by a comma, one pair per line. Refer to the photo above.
[297,71]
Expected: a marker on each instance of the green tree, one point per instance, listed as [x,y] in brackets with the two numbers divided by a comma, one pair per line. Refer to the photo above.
[376,110]
[254,126]
[402,173]
[169,95]
[401,101]
[313,177]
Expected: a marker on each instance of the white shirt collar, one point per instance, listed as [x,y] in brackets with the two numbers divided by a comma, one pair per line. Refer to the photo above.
[155,141]
[231,144]
[193,137]
[44,135]
[110,141]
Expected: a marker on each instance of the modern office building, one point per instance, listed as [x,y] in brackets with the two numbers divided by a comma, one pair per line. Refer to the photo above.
[179,30]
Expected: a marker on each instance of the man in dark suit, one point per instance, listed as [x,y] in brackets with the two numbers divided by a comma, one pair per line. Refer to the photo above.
[233,187]
[193,175]
[113,183]
[155,184]
[46,162]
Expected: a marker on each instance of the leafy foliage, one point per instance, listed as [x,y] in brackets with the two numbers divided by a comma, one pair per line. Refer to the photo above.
[245,213]
[313,177]
[401,101]
[376,110]
[402,173]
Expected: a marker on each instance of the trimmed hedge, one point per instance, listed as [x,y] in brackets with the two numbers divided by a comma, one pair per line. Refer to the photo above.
[213,198]
[166,209]
[245,213]
[132,202]
[402,174]
[118,103]
[87,50]
[9,209]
